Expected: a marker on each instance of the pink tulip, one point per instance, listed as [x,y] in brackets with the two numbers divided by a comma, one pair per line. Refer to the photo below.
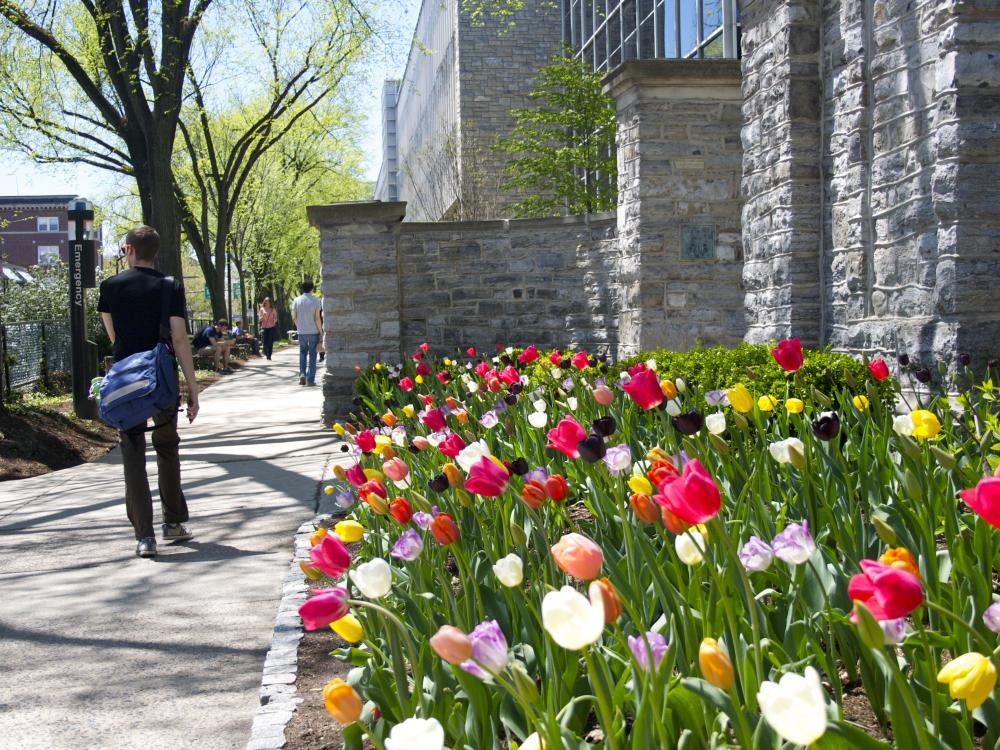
[984,499]
[420,443]
[580,360]
[529,355]
[356,475]
[888,593]
[324,607]
[486,478]
[406,384]
[452,445]
[603,395]
[434,419]
[395,469]
[365,441]
[788,354]
[644,389]
[509,375]
[331,556]
[693,497]
[578,556]
[565,436]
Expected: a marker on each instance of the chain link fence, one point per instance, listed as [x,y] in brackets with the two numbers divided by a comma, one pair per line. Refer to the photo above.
[33,351]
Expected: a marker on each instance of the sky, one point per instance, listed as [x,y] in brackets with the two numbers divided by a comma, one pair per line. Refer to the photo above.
[19,176]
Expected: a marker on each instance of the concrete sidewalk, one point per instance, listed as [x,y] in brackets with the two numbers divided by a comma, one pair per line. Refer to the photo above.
[99,649]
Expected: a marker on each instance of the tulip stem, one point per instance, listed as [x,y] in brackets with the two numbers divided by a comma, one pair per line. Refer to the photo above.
[931,681]
[976,636]
[906,694]
[604,700]
[411,647]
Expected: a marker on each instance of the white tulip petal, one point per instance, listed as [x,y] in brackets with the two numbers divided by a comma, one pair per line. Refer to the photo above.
[571,619]
[795,706]
[509,570]
[373,578]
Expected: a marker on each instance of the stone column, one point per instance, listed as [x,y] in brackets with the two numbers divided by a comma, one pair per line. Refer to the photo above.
[679,167]
[360,286]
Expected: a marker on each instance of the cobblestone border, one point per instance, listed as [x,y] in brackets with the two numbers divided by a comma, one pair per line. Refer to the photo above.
[278,699]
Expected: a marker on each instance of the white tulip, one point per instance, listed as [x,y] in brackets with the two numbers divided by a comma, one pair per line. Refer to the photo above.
[473,386]
[373,578]
[795,706]
[781,449]
[572,403]
[399,436]
[673,408]
[435,438]
[532,742]
[680,385]
[538,419]
[716,423]
[651,364]
[509,570]
[470,454]
[689,546]
[556,373]
[540,405]
[416,734]
[573,621]
[903,425]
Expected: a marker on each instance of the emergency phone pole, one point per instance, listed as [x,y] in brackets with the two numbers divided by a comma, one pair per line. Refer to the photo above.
[82,263]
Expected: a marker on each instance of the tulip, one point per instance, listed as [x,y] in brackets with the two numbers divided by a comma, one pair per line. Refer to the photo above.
[342,701]
[529,355]
[489,650]
[487,478]
[339,429]
[887,592]
[879,369]
[532,742]
[409,411]
[740,398]
[470,454]
[756,555]
[330,556]
[715,665]
[444,529]
[767,403]
[420,443]
[925,424]
[673,407]
[591,449]
[689,423]
[991,617]
[407,385]
[338,471]
[795,706]
[971,677]
[556,487]
[422,369]
[984,499]
[356,475]
[657,454]
[580,360]
[389,419]
[395,469]
[425,346]
[827,427]
[408,547]
[401,510]
[861,403]
[794,406]
[794,545]
[645,510]
[434,419]
[894,631]
[603,590]
[640,484]
[648,656]
[573,621]
[603,395]
[566,436]
[690,547]
[788,354]
[692,497]
[416,734]
[671,523]
[519,466]
[349,628]
[451,644]
[324,607]
[345,499]
[373,578]
[317,536]
[438,483]
[644,389]
[578,556]
[509,570]
[900,557]
[309,572]
[365,441]
[716,423]
[903,425]
[789,451]
[452,445]
[533,494]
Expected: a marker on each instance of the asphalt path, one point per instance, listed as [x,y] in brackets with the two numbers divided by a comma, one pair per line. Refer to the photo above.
[101,649]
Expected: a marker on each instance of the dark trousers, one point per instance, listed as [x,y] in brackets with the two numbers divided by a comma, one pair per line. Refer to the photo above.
[269,335]
[138,500]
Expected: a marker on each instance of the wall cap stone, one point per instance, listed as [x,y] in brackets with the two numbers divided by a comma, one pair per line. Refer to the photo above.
[679,72]
[356,212]
[599,219]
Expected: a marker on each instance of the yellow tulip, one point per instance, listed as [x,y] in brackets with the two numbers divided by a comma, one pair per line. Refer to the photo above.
[640,484]
[349,628]
[328,490]
[925,424]
[374,474]
[657,454]
[378,365]
[668,389]
[767,403]
[454,474]
[349,531]
[970,677]
[740,398]
[447,362]
[338,471]
[861,403]
[794,406]
[715,665]
[342,701]
[317,536]
[419,379]
[339,428]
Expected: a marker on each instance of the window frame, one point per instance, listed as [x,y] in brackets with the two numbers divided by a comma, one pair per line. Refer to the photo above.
[49,254]
[47,229]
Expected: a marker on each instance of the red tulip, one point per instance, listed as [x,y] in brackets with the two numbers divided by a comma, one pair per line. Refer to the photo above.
[556,487]
[330,556]
[425,346]
[423,369]
[888,593]
[661,471]
[444,377]
[324,607]
[471,351]
[565,436]
[452,445]
[434,418]
[984,499]
[356,475]
[693,496]
[481,369]
[644,389]
[497,348]
[879,369]
[636,369]
[555,358]
[406,384]
[529,355]
[365,441]
[580,360]
[418,355]
[533,494]
[373,487]
[487,478]
[444,529]
[788,354]
[401,510]
[509,375]
[428,399]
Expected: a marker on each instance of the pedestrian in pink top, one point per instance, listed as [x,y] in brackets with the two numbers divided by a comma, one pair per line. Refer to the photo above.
[268,325]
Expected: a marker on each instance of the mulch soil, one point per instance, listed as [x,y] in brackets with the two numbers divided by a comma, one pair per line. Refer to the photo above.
[311,727]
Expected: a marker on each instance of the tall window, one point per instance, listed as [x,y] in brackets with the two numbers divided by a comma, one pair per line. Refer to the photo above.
[48,223]
[48,255]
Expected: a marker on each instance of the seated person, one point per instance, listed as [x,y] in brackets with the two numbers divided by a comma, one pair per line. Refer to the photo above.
[210,340]
[245,337]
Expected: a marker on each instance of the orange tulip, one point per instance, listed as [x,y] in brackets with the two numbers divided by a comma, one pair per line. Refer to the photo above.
[672,523]
[451,644]
[612,605]
[668,389]
[462,416]
[389,419]
[645,510]
[317,536]
[342,701]
[578,556]
[716,667]
[451,403]
[556,486]
[660,470]
[533,494]
[338,471]
[900,558]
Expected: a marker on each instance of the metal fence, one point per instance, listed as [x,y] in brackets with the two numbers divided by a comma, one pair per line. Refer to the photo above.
[32,351]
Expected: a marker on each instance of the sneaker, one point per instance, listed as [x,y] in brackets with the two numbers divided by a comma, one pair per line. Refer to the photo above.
[302,379]
[176,532]
[146,547]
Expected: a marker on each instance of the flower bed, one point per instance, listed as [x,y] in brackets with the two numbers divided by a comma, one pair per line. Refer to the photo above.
[557,551]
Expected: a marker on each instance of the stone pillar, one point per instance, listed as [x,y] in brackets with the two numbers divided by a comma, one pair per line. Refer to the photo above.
[679,167]
[782,169]
[360,286]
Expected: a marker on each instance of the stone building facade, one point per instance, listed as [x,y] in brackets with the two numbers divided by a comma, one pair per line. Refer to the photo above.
[462,79]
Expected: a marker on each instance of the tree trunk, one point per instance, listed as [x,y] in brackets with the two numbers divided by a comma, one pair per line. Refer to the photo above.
[154,178]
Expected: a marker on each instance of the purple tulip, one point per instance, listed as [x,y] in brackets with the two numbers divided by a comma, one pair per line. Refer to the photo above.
[895,630]
[992,617]
[344,498]
[423,520]
[618,459]
[489,420]
[538,474]
[657,644]
[489,648]
[567,384]
[794,545]
[408,547]
[716,398]
[756,555]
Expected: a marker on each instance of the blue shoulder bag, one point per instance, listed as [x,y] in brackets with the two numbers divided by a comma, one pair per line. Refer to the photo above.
[145,383]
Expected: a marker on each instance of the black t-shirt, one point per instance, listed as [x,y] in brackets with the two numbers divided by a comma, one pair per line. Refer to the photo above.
[133,299]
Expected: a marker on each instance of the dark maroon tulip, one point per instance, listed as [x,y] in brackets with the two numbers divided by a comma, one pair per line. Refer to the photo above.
[592,448]
[827,427]
[604,426]
[923,375]
[688,424]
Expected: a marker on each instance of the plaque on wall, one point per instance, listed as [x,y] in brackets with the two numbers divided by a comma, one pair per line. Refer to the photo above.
[698,242]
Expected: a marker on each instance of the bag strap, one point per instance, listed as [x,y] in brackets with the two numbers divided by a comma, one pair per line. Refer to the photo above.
[166,291]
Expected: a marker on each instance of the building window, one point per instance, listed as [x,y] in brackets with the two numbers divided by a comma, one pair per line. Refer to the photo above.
[48,224]
[48,255]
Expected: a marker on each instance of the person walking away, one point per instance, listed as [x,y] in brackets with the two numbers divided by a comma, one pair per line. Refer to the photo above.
[130,307]
[268,318]
[305,313]
[210,340]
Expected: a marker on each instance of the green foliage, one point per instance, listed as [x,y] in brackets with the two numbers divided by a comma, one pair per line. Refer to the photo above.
[563,149]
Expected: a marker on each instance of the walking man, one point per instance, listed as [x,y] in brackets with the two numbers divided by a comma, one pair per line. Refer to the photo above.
[130,309]
[305,313]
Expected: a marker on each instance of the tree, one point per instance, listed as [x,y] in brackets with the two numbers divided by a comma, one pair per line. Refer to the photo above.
[563,154]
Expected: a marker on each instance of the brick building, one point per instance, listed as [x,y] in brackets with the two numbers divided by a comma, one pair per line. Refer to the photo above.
[34,231]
